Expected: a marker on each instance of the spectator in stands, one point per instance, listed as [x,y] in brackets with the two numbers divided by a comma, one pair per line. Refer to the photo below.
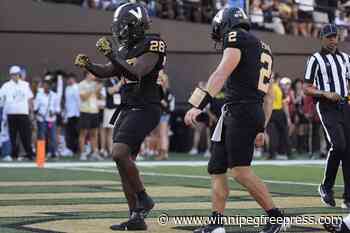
[320,16]
[333,6]
[165,9]
[72,113]
[343,23]
[305,16]
[4,134]
[220,4]
[113,100]
[288,15]
[168,106]
[17,97]
[46,107]
[272,18]
[95,4]
[277,128]
[317,146]
[300,120]
[256,15]
[192,10]
[101,103]
[89,122]
[208,10]
[57,87]
[288,101]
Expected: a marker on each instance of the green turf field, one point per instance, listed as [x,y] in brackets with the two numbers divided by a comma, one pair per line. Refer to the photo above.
[89,199]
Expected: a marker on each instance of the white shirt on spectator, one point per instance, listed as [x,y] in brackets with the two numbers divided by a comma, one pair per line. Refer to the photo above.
[46,106]
[15,96]
[305,5]
[72,101]
[89,105]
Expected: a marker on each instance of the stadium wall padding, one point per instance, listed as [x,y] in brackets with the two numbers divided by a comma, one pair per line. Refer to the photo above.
[48,36]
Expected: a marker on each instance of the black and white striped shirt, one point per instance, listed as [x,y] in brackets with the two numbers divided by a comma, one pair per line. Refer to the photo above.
[329,72]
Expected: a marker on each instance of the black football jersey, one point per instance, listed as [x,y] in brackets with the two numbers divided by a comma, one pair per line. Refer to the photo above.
[250,80]
[146,90]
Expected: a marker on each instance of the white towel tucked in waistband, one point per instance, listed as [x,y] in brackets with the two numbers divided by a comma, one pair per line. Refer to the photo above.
[218,129]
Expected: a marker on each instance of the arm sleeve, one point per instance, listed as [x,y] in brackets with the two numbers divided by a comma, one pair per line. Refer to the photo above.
[311,70]
[103,71]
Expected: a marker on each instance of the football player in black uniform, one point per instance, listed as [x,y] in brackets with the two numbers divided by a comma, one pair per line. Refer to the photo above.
[137,61]
[244,72]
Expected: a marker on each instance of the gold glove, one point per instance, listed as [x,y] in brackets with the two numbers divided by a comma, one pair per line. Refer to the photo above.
[104,46]
[82,60]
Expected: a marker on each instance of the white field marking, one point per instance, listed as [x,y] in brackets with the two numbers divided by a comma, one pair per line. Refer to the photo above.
[155,163]
[196,177]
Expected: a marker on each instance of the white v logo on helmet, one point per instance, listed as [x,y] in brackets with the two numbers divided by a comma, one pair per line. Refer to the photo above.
[118,10]
[137,14]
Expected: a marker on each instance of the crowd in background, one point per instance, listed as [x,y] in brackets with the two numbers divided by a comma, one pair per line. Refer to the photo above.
[296,17]
[72,117]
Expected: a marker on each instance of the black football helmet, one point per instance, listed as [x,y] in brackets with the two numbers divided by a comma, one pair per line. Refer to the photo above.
[130,22]
[227,19]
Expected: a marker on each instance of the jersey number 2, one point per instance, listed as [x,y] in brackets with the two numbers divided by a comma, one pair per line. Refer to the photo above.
[265,73]
[157,46]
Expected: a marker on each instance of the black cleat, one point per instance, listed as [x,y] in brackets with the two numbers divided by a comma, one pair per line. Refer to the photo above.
[135,223]
[144,206]
[274,228]
[334,228]
[210,229]
[326,196]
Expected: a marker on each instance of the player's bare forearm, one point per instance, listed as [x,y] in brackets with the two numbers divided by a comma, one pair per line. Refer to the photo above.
[101,70]
[229,62]
[216,83]
[267,106]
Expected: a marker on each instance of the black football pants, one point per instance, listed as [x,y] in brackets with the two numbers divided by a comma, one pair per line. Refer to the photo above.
[335,120]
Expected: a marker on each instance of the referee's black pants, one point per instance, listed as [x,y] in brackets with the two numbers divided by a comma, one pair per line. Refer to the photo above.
[335,120]
[20,124]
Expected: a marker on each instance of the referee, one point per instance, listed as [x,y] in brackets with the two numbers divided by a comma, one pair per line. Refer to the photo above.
[326,77]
